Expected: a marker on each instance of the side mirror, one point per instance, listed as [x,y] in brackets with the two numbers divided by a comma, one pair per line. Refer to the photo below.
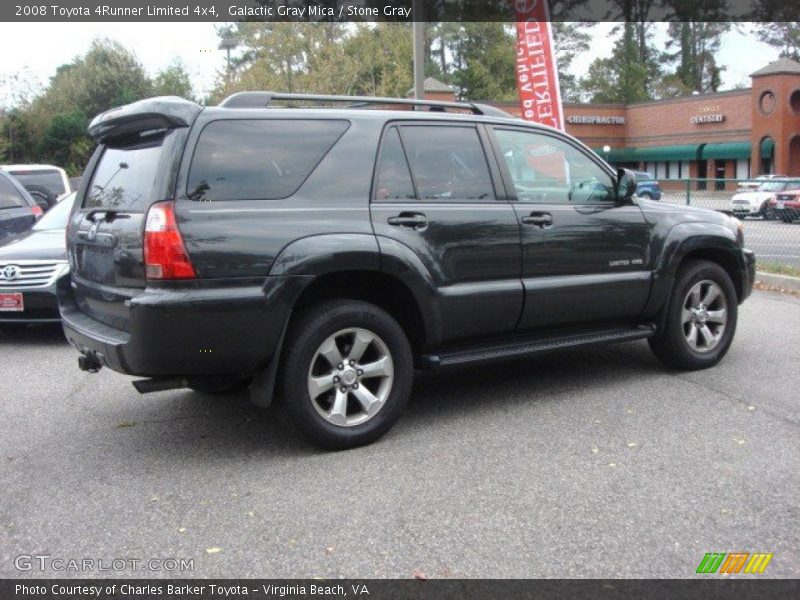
[626,186]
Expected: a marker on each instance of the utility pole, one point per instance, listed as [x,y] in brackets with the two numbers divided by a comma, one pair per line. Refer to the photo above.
[228,44]
[419,49]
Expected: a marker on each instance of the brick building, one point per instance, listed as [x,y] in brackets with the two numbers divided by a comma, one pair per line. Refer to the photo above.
[724,135]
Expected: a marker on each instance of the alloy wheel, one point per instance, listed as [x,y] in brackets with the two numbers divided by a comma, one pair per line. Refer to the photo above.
[350,377]
[704,316]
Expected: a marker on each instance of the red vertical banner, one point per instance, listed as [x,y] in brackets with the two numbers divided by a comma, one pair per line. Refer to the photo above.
[537,75]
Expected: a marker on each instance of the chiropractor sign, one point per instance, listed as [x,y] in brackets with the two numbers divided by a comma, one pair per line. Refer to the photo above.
[537,75]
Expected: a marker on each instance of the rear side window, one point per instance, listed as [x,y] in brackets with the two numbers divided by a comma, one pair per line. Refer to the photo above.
[265,159]
[9,196]
[125,176]
[49,179]
[447,162]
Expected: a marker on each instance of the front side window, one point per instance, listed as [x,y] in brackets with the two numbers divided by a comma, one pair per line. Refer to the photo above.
[267,159]
[448,163]
[546,169]
[9,196]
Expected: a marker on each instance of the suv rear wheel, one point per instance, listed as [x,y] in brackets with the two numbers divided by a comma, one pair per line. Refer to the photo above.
[347,373]
[701,318]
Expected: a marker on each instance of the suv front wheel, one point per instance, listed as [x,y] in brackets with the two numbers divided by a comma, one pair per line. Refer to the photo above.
[700,320]
[347,373]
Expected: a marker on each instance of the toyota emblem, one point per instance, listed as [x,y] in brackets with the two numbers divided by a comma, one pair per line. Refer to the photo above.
[10,273]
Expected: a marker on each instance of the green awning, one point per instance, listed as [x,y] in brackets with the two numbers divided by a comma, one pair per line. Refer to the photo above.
[659,153]
[728,150]
[767,147]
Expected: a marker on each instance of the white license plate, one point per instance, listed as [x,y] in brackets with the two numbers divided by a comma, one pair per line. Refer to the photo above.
[12,302]
[779,205]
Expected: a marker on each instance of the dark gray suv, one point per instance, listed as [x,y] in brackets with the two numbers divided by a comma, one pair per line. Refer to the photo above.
[321,254]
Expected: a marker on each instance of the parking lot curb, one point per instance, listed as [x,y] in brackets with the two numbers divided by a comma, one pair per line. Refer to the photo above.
[779,281]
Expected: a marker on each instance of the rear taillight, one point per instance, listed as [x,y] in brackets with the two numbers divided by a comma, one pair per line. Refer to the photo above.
[165,256]
[37,211]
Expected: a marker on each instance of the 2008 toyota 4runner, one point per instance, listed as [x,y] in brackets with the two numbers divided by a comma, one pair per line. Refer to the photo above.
[321,254]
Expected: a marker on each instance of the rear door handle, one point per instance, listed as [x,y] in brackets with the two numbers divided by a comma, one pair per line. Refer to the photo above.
[540,219]
[413,220]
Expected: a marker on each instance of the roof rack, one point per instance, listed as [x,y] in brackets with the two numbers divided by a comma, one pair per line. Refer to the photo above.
[264,99]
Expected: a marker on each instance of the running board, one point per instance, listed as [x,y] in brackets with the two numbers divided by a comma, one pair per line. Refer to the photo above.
[528,346]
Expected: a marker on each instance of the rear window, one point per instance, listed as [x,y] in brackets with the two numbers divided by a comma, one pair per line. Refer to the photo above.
[125,176]
[9,196]
[49,179]
[643,177]
[258,159]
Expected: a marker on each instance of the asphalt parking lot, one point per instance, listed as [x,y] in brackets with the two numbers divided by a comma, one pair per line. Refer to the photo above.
[592,463]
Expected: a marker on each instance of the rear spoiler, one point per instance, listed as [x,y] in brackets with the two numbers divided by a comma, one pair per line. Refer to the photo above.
[154,113]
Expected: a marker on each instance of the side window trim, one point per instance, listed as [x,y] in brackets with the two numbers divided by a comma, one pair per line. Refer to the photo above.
[376,172]
[408,163]
[506,174]
[496,165]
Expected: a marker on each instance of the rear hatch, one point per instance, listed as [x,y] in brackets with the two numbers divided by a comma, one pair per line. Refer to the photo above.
[134,166]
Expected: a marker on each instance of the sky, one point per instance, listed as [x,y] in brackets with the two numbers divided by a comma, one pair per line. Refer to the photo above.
[39,48]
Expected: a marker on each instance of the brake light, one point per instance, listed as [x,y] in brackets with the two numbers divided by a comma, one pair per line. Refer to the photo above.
[165,255]
[37,211]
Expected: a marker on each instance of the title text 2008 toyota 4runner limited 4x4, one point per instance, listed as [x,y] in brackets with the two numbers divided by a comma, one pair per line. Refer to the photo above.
[321,254]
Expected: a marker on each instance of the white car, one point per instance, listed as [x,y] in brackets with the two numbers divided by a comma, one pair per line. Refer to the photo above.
[756,203]
[45,183]
[750,185]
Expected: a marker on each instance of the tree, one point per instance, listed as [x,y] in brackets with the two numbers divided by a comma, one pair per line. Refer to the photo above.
[487,62]
[696,30]
[65,142]
[621,78]
[698,42]
[570,39]
[174,80]
[785,36]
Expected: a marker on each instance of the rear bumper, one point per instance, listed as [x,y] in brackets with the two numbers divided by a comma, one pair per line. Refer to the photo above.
[173,332]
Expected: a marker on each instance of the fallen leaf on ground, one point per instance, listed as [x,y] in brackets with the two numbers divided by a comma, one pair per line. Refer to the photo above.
[213,550]
[417,574]
[125,424]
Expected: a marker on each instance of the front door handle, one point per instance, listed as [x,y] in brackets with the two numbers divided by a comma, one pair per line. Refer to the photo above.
[413,220]
[540,219]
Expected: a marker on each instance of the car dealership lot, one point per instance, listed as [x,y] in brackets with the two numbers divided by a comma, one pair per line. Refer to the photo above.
[591,463]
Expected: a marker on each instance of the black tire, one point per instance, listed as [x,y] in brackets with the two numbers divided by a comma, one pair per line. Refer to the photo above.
[766,213]
[646,195]
[670,344]
[42,196]
[309,330]
[786,218]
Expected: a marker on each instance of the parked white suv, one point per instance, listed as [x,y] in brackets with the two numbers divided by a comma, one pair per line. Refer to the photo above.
[756,203]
